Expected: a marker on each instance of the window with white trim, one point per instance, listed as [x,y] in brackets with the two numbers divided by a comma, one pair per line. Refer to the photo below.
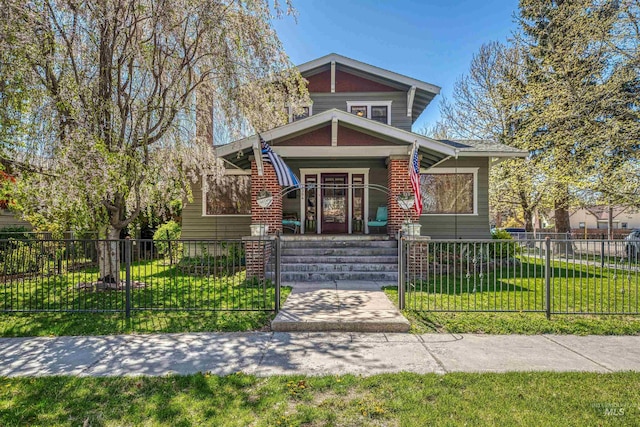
[379,111]
[306,112]
[228,195]
[449,191]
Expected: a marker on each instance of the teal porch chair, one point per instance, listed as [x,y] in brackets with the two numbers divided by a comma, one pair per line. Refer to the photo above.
[381,218]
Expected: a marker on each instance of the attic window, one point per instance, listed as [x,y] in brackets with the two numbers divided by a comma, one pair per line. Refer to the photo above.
[380,111]
[306,112]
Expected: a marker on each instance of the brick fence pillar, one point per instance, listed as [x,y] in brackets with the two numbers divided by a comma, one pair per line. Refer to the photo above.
[398,183]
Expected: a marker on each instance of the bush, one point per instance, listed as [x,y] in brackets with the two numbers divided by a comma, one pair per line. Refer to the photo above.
[20,258]
[503,250]
[16,232]
[165,238]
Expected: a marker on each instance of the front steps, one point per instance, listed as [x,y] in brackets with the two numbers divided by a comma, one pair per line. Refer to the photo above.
[312,258]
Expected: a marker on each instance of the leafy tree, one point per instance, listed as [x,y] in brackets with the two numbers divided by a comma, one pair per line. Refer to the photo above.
[122,84]
[486,104]
[578,104]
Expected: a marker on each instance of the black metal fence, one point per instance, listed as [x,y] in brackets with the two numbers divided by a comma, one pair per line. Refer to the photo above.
[548,276]
[46,275]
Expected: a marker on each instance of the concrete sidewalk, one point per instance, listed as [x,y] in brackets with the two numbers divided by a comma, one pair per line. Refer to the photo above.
[339,305]
[275,353]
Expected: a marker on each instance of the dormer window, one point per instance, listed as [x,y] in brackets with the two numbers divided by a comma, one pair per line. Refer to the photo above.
[380,111]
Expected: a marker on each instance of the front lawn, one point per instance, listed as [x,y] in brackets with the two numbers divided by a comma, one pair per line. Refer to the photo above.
[541,399]
[165,297]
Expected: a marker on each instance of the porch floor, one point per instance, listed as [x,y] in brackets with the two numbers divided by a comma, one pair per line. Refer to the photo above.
[339,305]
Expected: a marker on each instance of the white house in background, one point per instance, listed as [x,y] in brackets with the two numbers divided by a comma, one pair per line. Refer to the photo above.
[597,217]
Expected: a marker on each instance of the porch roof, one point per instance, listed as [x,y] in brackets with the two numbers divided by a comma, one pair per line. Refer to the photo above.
[432,151]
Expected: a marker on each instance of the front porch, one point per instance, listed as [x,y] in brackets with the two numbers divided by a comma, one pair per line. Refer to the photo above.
[341,201]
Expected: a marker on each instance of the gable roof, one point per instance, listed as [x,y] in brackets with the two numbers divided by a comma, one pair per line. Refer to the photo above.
[423,93]
[433,151]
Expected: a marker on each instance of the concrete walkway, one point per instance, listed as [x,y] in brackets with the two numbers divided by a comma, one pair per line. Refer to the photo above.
[275,353]
[340,305]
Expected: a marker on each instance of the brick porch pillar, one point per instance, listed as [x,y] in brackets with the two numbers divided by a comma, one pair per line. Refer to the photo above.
[258,252]
[398,183]
[268,181]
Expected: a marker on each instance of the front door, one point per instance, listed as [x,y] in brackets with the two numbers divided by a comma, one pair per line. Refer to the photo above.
[334,202]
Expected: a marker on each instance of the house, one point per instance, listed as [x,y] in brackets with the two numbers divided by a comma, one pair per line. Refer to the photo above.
[350,150]
[597,218]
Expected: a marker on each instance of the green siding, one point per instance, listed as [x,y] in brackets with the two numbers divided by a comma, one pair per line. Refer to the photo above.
[326,101]
[463,226]
[197,226]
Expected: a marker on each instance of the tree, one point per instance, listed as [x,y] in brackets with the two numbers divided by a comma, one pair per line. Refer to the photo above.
[120,81]
[485,105]
[577,94]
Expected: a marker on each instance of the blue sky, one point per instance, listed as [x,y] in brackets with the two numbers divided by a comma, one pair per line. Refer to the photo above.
[430,40]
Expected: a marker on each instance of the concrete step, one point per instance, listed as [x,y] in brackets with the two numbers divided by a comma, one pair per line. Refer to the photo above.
[344,275]
[345,259]
[331,268]
[322,252]
[286,244]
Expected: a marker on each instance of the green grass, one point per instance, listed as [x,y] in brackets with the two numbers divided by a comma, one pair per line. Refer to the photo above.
[541,399]
[516,323]
[576,288]
[511,300]
[185,299]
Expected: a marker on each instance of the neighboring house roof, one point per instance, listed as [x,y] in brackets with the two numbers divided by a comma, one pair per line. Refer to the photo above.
[400,141]
[419,92]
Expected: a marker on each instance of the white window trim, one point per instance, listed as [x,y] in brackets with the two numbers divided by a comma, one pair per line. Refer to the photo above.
[350,172]
[290,112]
[370,104]
[473,171]
[204,195]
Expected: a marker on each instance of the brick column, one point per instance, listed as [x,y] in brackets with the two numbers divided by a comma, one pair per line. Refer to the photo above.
[268,181]
[258,252]
[398,183]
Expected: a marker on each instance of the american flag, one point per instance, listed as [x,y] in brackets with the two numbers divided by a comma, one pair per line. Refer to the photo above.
[414,174]
[286,177]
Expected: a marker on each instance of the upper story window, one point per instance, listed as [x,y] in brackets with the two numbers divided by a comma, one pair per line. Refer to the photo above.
[379,111]
[306,112]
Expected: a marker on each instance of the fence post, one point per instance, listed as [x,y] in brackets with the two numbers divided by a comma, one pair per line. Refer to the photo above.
[277,292]
[547,277]
[401,278]
[127,285]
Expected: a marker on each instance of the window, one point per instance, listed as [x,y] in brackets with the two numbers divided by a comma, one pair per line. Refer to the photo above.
[306,112]
[375,110]
[360,110]
[449,191]
[379,113]
[228,195]
[303,115]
